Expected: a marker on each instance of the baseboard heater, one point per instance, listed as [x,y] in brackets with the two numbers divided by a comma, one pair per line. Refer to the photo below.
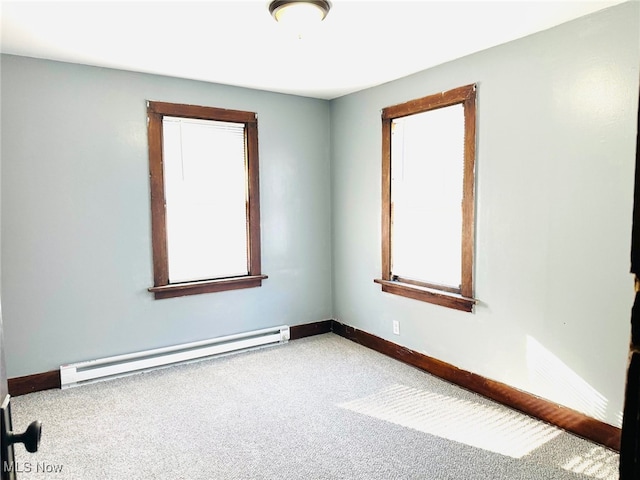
[120,365]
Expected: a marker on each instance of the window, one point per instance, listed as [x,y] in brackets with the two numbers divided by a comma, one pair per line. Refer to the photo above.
[205,210]
[428,161]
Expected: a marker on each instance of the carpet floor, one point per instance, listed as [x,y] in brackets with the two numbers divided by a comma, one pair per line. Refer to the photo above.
[321,407]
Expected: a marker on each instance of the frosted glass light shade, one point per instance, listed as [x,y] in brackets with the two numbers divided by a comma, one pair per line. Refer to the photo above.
[297,12]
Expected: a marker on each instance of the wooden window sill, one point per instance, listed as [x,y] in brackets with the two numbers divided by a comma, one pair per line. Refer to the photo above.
[429,295]
[206,286]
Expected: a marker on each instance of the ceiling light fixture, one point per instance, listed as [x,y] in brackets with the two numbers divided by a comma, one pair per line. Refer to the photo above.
[299,11]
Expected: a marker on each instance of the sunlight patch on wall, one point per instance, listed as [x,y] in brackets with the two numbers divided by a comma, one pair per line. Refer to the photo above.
[619,418]
[599,462]
[554,380]
[493,428]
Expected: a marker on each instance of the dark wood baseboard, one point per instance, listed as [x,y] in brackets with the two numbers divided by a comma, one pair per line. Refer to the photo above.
[563,417]
[309,329]
[34,383]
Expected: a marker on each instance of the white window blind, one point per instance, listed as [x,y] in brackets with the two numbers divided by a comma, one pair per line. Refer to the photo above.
[205,183]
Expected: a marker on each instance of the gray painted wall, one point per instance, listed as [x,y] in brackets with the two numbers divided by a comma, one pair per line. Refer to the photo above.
[556,132]
[555,162]
[76,248]
[3,365]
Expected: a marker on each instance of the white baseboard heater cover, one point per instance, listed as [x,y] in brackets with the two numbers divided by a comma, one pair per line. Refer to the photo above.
[84,372]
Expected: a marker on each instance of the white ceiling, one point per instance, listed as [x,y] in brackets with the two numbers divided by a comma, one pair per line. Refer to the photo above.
[360,44]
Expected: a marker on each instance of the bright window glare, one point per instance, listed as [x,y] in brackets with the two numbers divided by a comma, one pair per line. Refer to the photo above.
[427,155]
[205,192]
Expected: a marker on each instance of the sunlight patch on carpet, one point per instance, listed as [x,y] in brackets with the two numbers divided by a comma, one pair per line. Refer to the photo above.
[598,462]
[488,427]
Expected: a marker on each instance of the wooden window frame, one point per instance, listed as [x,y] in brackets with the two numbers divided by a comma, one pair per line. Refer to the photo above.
[459,299]
[162,287]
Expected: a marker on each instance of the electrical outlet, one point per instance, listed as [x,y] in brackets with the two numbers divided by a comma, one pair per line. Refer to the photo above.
[396,327]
